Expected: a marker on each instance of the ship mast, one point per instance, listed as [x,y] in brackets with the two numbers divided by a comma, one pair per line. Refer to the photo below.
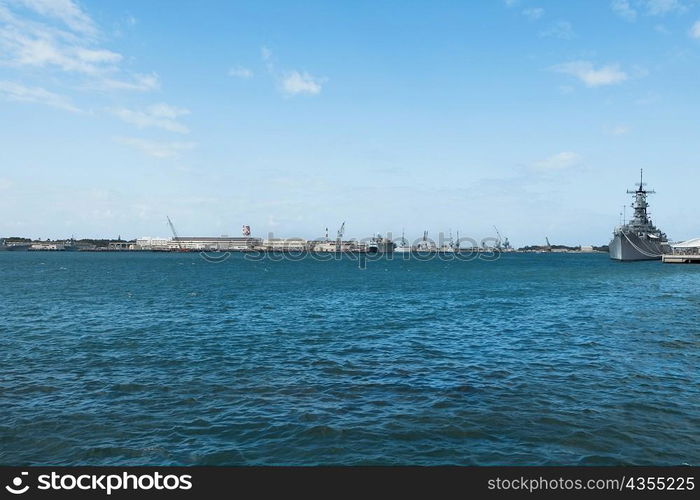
[640,204]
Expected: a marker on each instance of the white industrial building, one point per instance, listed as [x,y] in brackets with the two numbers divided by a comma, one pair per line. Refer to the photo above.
[284,244]
[201,243]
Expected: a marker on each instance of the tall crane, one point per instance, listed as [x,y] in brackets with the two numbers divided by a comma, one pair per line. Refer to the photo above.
[499,239]
[175,236]
[548,248]
[502,243]
[339,239]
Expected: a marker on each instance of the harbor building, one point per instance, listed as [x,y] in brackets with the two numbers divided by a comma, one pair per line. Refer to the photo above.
[47,246]
[688,247]
[684,252]
[330,246]
[149,243]
[223,243]
[285,244]
[198,243]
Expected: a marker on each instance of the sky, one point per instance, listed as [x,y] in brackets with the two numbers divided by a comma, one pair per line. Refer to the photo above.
[293,116]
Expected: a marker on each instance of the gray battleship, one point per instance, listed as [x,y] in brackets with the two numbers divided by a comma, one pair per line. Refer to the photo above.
[638,239]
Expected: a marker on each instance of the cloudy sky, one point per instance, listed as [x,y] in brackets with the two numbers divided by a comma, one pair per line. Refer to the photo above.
[534,116]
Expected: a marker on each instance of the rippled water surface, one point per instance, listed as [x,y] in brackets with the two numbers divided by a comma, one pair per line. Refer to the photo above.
[137,358]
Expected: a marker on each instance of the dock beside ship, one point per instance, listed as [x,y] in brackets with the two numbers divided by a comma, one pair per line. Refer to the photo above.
[684,252]
[680,259]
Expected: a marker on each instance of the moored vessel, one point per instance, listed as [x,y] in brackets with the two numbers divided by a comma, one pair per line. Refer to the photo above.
[638,239]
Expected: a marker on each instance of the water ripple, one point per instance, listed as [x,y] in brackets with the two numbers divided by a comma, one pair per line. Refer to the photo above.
[165,359]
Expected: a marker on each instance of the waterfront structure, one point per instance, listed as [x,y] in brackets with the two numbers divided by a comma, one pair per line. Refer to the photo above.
[13,246]
[688,247]
[285,244]
[47,246]
[197,243]
[333,246]
[69,245]
[684,252]
[120,245]
[638,239]
[150,243]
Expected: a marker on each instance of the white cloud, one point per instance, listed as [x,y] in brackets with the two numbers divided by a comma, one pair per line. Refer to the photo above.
[663,7]
[38,41]
[590,75]
[695,30]
[65,10]
[26,42]
[292,82]
[161,116]
[295,82]
[533,13]
[511,3]
[561,29]
[12,91]
[42,50]
[559,161]
[623,9]
[156,149]
[140,83]
[619,130]
[240,72]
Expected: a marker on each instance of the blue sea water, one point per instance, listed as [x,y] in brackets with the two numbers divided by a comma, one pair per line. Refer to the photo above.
[139,358]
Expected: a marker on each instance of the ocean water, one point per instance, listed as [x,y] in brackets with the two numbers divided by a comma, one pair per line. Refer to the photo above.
[166,359]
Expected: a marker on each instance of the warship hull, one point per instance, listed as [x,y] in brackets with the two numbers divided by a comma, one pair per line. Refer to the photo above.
[627,246]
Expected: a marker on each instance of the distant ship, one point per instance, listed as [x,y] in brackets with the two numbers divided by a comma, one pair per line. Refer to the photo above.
[638,239]
[13,247]
[70,245]
[403,246]
[380,245]
[425,245]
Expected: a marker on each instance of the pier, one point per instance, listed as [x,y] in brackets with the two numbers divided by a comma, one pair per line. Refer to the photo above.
[685,252]
[680,259]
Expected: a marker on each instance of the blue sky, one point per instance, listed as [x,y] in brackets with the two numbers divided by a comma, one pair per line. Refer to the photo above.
[534,116]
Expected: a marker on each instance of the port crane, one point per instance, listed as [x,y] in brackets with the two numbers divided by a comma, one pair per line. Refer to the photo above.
[175,236]
[501,242]
[498,239]
[339,239]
